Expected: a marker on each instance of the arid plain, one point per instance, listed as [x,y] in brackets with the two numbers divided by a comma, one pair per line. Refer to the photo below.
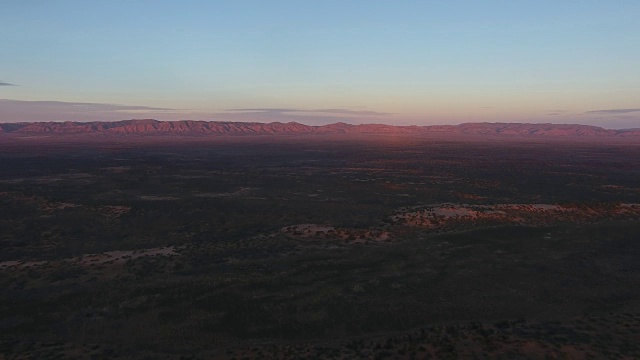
[319,246]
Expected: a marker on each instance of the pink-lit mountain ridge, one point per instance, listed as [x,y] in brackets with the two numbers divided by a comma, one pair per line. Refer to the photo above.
[189,127]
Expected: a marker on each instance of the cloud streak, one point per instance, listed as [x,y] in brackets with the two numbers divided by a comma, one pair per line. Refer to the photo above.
[333,111]
[28,111]
[262,116]
[21,110]
[613,111]
[78,105]
[557,112]
[352,112]
[3,83]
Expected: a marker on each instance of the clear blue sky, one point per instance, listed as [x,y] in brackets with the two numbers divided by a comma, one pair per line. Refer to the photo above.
[404,62]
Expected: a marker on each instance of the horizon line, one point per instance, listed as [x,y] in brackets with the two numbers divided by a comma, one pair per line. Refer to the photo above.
[318,126]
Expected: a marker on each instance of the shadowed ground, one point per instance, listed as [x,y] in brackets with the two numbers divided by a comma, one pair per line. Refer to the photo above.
[325,246]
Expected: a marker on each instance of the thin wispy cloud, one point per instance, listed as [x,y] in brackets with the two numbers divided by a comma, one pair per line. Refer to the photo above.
[352,112]
[333,111]
[263,110]
[613,111]
[78,105]
[557,112]
[27,111]
[21,110]
[281,115]
[3,83]
[635,117]
[306,116]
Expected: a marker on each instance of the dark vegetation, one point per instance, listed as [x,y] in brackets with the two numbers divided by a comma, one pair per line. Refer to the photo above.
[236,285]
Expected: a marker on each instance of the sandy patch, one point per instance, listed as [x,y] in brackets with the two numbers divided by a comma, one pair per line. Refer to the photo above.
[450,215]
[114,210]
[454,211]
[239,192]
[20,264]
[122,256]
[306,230]
[156,198]
[112,257]
[329,232]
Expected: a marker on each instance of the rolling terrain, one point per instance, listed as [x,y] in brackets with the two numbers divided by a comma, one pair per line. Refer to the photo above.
[327,246]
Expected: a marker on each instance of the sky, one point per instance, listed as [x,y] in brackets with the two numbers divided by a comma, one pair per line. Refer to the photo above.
[318,62]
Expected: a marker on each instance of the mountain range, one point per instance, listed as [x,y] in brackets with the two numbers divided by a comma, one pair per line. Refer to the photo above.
[189,127]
